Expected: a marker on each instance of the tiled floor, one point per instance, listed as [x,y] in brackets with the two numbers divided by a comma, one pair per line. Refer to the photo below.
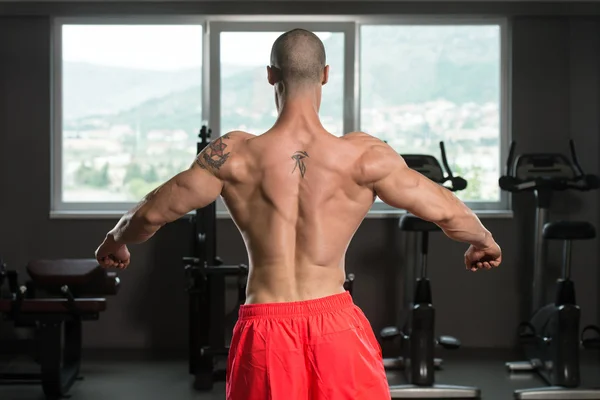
[132,377]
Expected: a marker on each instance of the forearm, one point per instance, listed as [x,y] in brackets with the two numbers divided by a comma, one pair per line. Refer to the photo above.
[136,226]
[132,229]
[463,226]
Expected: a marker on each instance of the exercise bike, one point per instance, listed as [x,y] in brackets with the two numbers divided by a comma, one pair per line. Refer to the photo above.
[551,339]
[418,334]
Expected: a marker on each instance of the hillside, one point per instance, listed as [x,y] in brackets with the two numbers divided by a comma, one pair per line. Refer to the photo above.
[95,89]
[417,67]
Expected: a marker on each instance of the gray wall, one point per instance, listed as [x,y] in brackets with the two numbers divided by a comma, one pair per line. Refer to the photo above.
[555,93]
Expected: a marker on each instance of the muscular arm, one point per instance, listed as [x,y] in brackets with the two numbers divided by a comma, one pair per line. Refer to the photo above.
[185,192]
[194,188]
[401,187]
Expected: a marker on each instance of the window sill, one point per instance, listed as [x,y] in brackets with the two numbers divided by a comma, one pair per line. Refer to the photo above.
[375,214]
[483,214]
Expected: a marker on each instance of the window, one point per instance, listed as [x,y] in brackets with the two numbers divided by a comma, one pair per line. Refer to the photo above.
[247,101]
[421,84]
[130,109]
[130,96]
[241,97]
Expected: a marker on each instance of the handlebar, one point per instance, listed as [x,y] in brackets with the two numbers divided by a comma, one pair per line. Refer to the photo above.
[575,160]
[580,181]
[457,183]
[445,160]
[511,157]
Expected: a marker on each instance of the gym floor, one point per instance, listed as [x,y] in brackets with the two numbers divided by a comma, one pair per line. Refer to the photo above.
[128,376]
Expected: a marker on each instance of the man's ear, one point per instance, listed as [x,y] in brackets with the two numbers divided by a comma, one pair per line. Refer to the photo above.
[273,75]
[325,75]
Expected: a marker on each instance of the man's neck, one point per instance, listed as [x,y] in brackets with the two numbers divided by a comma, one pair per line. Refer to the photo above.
[301,108]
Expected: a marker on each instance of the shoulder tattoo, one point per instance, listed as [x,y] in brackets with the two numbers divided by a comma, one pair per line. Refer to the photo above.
[214,155]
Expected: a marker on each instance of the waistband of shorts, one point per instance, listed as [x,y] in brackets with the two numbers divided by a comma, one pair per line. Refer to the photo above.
[297,308]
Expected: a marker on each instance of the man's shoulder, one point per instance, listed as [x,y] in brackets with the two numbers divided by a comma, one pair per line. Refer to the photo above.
[368,144]
[234,142]
[358,136]
[377,158]
[238,136]
[362,139]
[217,156]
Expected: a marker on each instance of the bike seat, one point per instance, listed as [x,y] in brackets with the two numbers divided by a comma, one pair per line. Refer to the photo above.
[569,230]
[413,223]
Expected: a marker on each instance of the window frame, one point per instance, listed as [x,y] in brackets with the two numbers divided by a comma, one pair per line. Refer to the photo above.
[504,204]
[216,27]
[57,205]
[211,90]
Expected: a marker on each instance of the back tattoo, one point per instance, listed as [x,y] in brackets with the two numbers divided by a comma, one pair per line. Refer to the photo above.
[299,157]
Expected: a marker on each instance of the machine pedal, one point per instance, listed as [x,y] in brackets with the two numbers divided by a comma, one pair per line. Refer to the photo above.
[526,333]
[394,363]
[211,351]
[449,342]
[591,343]
[519,366]
[390,332]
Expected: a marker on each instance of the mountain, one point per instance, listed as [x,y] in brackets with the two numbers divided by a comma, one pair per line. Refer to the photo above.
[464,67]
[399,66]
[97,90]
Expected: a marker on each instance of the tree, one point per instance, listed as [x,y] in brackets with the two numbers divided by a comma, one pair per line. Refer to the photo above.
[473,177]
[82,175]
[104,177]
[133,171]
[151,175]
[138,188]
[88,176]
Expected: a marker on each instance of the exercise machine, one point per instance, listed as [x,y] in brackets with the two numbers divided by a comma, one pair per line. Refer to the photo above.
[53,304]
[418,334]
[206,276]
[551,339]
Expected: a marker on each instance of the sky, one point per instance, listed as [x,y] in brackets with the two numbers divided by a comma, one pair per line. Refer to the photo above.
[161,47]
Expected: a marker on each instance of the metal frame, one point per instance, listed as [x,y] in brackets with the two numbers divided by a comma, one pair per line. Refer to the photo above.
[217,27]
[214,25]
[505,86]
[56,203]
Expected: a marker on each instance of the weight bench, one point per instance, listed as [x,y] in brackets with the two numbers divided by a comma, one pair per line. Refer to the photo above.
[54,304]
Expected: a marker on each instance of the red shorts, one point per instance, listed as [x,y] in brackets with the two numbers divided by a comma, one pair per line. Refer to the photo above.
[307,350]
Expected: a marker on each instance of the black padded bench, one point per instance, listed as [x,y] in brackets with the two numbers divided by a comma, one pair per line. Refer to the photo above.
[53,306]
[60,295]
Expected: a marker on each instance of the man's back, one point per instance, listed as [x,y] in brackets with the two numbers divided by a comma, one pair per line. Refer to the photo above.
[296,195]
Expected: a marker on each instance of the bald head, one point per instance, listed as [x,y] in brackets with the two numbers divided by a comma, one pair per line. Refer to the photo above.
[300,56]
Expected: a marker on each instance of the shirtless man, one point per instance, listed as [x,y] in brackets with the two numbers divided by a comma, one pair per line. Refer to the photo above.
[297,194]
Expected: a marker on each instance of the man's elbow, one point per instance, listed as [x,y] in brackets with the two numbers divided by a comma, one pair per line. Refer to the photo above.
[454,217]
[444,217]
[149,219]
